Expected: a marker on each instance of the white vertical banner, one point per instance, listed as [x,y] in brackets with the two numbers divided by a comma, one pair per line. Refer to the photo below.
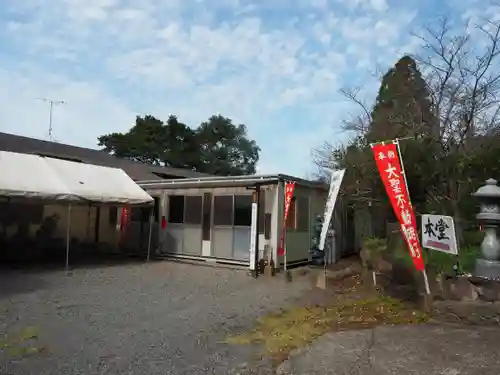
[253,235]
[335,182]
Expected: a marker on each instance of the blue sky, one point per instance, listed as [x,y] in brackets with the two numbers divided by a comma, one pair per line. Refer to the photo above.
[275,65]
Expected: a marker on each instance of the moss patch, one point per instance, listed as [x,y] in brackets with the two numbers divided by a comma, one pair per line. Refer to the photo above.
[294,328]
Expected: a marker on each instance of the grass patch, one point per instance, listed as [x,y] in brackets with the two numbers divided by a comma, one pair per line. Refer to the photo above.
[22,344]
[28,333]
[297,327]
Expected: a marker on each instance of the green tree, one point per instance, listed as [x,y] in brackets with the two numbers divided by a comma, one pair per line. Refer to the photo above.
[225,148]
[216,147]
[402,107]
[180,145]
[451,113]
[140,143]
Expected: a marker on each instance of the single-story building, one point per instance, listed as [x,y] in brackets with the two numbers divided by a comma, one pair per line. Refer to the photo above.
[210,218]
[21,221]
[195,216]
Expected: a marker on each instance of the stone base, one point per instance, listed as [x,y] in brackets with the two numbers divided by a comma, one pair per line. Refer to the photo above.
[287,275]
[487,269]
[368,280]
[426,301]
[472,312]
[269,271]
[322,281]
[470,289]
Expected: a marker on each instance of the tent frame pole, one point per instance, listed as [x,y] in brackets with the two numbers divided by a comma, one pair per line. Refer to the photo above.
[68,236]
[151,222]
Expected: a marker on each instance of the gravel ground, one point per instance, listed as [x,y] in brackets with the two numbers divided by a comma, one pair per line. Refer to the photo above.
[156,318]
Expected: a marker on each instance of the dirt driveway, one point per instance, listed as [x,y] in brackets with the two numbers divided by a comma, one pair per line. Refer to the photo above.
[156,318]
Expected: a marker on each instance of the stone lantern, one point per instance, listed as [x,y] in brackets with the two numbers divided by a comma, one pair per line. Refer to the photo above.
[489,217]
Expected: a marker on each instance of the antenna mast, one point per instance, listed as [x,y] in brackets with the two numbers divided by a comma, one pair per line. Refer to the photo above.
[52,103]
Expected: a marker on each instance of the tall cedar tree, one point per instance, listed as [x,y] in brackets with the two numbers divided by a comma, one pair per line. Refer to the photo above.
[216,147]
[403,109]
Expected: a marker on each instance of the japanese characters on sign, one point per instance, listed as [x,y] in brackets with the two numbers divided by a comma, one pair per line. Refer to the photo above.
[438,233]
[389,166]
[289,188]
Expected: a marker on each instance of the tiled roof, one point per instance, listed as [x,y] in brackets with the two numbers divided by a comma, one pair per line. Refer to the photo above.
[137,171]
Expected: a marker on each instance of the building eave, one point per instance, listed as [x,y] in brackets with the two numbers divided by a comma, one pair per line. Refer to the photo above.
[228,181]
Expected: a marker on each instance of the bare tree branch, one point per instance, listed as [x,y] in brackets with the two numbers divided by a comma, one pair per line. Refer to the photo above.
[360,122]
[461,68]
[463,76]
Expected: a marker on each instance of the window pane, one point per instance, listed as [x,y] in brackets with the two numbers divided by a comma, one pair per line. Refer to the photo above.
[267,226]
[243,210]
[13,212]
[193,209]
[136,214]
[207,211]
[262,211]
[302,214]
[223,210]
[176,209]
[290,220]
[113,215]
[156,208]
[140,214]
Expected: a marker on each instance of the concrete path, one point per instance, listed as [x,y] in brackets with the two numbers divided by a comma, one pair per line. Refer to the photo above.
[404,350]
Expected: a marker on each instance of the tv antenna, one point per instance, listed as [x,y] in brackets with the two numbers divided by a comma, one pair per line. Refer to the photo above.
[52,103]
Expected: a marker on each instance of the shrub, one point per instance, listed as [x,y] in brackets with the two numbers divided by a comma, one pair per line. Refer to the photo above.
[372,251]
[442,263]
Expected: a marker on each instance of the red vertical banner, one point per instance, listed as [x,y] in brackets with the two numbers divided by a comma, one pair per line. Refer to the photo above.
[124,220]
[289,188]
[392,175]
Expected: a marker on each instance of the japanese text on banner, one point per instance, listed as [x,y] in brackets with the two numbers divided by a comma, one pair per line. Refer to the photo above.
[289,188]
[124,222]
[125,218]
[389,166]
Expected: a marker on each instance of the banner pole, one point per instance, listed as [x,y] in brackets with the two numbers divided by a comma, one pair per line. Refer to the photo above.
[151,223]
[426,282]
[284,246]
[396,141]
[285,265]
[424,271]
[284,235]
[391,140]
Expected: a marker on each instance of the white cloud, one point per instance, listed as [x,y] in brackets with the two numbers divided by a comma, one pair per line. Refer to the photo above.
[275,66]
[379,5]
[320,4]
[366,5]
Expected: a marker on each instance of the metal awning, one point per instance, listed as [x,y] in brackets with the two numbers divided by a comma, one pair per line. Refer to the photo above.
[227,181]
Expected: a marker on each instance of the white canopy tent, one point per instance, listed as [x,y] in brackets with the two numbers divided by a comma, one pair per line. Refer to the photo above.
[43,179]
